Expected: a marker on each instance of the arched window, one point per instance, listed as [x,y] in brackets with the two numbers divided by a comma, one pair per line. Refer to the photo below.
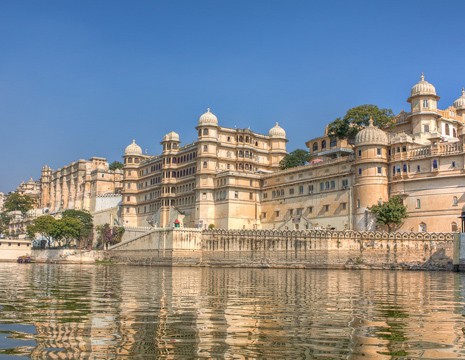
[315,146]
[435,164]
[200,132]
[333,142]
[447,129]
[418,204]
[454,132]
[323,144]
[241,139]
[422,227]
[204,164]
[205,131]
[205,148]
[404,168]
[454,227]
[246,139]
[455,201]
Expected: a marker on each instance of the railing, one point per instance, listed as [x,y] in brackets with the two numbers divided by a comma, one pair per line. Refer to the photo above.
[427,151]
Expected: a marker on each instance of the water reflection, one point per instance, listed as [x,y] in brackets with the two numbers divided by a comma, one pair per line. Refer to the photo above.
[69,312]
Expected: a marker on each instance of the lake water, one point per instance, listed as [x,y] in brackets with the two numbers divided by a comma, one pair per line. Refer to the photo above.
[109,311]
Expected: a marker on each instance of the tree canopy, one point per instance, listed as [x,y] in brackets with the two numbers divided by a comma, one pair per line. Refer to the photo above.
[4,221]
[295,158]
[391,213]
[108,235]
[18,202]
[42,225]
[116,165]
[358,117]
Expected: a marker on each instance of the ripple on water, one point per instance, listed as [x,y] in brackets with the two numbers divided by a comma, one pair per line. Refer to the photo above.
[106,311]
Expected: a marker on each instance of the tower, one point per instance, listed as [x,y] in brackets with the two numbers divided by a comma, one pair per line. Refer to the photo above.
[45,179]
[132,158]
[424,104]
[371,174]
[278,145]
[207,145]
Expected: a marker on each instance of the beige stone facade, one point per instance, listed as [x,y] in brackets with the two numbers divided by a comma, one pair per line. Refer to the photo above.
[231,178]
[78,185]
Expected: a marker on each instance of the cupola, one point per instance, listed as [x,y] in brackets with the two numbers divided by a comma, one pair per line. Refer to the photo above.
[208,118]
[133,149]
[459,104]
[371,135]
[423,87]
[277,132]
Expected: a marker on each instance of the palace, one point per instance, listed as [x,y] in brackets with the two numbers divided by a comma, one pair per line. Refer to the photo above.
[231,178]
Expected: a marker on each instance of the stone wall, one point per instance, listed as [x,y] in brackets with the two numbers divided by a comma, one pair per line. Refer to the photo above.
[290,249]
[328,249]
[73,256]
[11,249]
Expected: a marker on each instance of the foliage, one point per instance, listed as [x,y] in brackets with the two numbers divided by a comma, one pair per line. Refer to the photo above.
[18,202]
[108,235]
[211,226]
[295,158]
[4,221]
[116,165]
[357,118]
[391,213]
[42,225]
[86,219]
[66,229]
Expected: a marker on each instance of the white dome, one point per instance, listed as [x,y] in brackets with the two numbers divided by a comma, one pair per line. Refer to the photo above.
[171,136]
[133,149]
[277,131]
[371,135]
[459,104]
[423,87]
[208,118]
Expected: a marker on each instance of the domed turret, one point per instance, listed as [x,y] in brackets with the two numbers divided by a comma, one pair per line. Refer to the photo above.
[277,132]
[133,149]
[171,136]
[371,135]
[459,104]
[423,87]
[208,118]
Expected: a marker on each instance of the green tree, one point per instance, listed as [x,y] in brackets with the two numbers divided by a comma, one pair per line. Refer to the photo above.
[86,219]
[43,225]
[66,230]
[4,221]
[18,202]
[295,158]
[357,118]
[116,165]
[391,213]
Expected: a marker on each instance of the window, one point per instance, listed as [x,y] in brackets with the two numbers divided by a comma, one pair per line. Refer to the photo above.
[264,215]
[310,209]
[426,128]
[378,170]
[327,185]
[359,152]
[418,204]
[455,201]
[404,168]
[454,132]
[310,189]
[291,191]
[301,189]
[358,204]
[418,168]
[422,227]
[250,196]
[453,164]
[298,211]
[325,208]
[360,171]
[344,206]
[204,164]
[205,148]
[291,212]
[333,142]
[315,146]
[378,151]
[435,164]
[276,213]
[447,129]
[333,184]
[236,195]
[345,183]
[454,227]
[323,144]
[205,131]
[425,103]
[322,186]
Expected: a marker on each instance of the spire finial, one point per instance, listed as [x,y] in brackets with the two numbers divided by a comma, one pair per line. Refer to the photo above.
[463,91]
[422,76]
[133,141]
[370,122]
[277,124]
[208,109]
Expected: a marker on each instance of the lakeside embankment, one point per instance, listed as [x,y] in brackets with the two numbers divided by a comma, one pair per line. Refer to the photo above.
[309,249]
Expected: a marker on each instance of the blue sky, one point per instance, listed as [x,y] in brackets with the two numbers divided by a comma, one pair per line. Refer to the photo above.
[83,78]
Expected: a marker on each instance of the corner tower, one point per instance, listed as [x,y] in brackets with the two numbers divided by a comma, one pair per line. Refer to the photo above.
[132,158]
[371,174]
